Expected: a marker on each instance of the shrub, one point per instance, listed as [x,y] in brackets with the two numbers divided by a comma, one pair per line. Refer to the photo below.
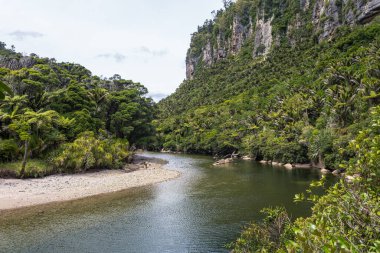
[267,236]
[345,219]
[8,150]
[87,152]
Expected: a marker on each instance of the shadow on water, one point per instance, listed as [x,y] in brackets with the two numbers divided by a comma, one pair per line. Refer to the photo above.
[200,211]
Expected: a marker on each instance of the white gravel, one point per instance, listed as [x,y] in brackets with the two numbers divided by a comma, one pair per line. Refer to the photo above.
[16,193]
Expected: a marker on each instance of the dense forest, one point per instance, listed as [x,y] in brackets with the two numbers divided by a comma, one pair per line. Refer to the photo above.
[64,119]
[302,102]
[289,82]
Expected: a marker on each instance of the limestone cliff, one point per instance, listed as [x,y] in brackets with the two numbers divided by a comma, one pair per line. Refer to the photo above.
[14,63]
[261,25]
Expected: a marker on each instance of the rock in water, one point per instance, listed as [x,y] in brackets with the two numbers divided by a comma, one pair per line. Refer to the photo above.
[223,161]
[325,171]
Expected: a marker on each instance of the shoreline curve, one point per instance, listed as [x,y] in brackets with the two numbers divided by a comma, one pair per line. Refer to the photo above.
[18,194]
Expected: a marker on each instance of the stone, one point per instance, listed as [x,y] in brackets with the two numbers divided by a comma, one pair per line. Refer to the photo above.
[325,171]
[190,65]
[223,161]
[370,10]
[239,34]
[303,165]
[288,166]
[336,172]
[263,37]
[208,54]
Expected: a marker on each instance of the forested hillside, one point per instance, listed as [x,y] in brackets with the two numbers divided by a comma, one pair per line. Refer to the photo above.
[289,82]
[301,99]
[65,118]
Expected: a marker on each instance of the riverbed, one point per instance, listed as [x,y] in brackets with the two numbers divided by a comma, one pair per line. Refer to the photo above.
[200,211]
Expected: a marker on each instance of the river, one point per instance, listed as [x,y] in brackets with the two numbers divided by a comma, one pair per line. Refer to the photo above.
[200,211]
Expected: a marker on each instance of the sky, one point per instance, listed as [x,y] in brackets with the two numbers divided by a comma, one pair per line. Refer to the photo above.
[142,40]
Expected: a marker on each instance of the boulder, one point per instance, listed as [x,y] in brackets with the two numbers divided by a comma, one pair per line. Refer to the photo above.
[288,166]
[349,178]
[223,161]
[325,171]
[247,158]
[303,165]
[263,161]
[336,172]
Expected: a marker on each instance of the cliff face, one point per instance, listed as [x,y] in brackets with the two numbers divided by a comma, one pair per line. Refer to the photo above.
[261,25]
[16,63]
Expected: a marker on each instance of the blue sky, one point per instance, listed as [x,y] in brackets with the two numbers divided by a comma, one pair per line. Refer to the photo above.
[142,40]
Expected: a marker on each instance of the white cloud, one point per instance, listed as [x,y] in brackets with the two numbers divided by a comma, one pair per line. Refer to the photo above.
[116,56]
[151,52]
[21,35]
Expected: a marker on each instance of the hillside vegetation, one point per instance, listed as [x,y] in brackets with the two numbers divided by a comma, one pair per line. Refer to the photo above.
[63,115]
[299,103]
[290,82]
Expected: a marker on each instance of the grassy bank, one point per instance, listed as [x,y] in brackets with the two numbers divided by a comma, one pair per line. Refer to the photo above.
[35,168]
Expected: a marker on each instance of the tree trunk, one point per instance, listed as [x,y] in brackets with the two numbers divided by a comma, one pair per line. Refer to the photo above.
[22,172]
[321,162]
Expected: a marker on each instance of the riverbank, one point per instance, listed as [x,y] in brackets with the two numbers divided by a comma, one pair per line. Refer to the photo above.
[16,193]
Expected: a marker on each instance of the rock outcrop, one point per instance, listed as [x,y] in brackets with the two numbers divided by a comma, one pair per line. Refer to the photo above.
[368,11]
[258,27]
[240,33]
[16,63]
[190,66]
[208,54]
[263,37]
[223,161]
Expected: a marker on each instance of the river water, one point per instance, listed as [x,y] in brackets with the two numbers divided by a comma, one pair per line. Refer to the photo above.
[200,211]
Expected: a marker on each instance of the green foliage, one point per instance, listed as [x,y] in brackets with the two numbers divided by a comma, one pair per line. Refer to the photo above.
[268,236]
[55,103]
[345,219]
[35,168]
[129,114]
[8,150]
[39,128]
[305,101]
[304,111]
[4,89]
[88,152]
[367,149]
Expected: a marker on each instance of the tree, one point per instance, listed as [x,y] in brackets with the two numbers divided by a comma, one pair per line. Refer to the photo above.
[319,142]
[227,3]
[32,125]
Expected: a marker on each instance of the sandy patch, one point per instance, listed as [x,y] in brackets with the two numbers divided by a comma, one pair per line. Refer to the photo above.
[16,193]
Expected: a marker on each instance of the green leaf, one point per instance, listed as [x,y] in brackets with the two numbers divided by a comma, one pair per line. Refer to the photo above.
[4,87]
